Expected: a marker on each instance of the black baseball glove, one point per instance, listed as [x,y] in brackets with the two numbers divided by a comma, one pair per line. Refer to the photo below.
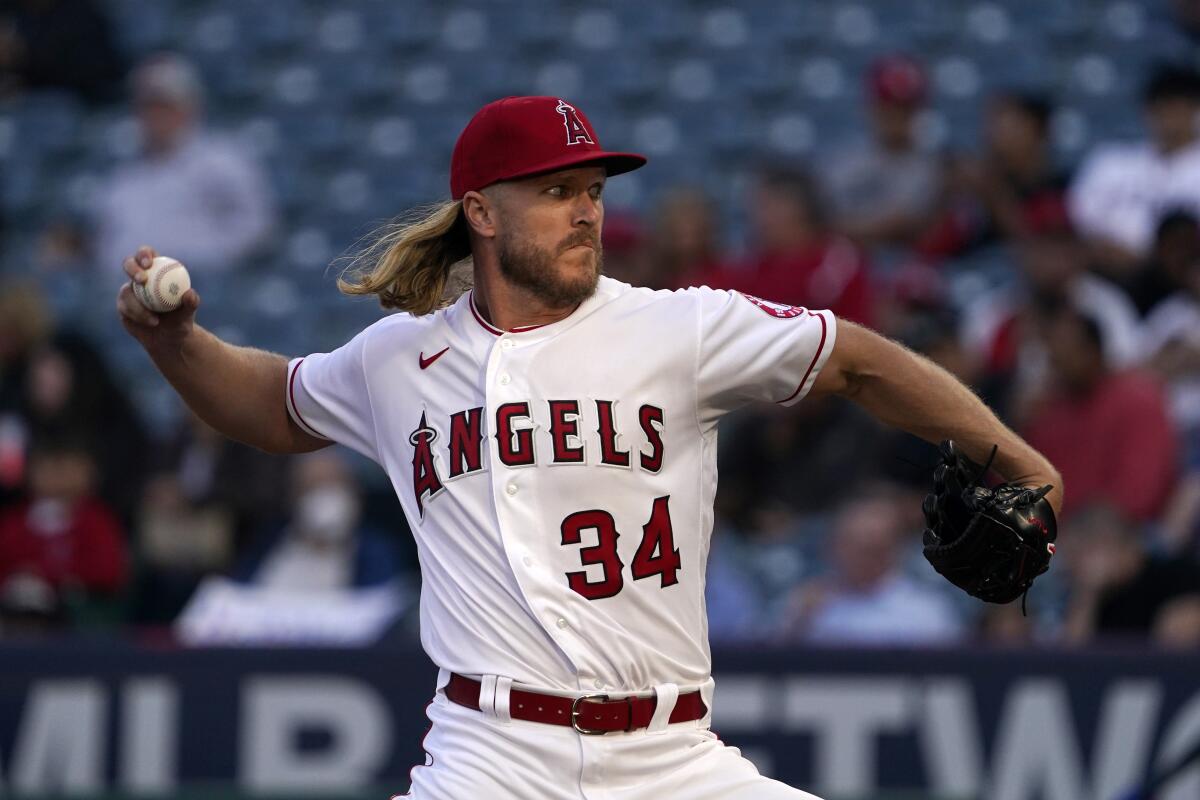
[989,542]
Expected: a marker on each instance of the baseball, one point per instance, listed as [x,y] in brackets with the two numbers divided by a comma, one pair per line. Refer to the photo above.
[166,282]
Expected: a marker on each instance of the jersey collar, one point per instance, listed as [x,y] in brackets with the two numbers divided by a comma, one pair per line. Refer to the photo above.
[606,290]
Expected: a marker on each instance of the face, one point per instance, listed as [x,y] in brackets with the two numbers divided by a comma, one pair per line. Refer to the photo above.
[894,123]
[1074,358]
[61,476]
[1011,133]
[327,504]
[162,122]
[547,234]
[1051,262]
[686,227]
[1172,121]
[865,542]
[780,219]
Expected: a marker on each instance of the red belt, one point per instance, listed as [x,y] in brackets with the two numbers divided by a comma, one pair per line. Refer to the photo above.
[590,714]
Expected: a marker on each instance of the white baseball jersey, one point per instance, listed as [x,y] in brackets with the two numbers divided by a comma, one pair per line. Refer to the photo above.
[559,479]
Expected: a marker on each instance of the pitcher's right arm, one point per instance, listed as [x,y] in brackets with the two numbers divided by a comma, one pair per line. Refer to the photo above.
[239,391]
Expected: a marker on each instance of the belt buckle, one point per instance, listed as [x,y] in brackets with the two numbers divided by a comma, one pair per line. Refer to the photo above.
[575,714]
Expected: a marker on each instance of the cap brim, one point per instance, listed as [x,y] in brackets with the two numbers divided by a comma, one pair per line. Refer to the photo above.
[614,164]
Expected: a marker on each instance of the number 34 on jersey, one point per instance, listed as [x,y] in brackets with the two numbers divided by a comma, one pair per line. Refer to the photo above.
[656,554]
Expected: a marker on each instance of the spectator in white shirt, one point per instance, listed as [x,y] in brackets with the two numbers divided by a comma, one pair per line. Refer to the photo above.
[867,599]
[1123,189]
[203,199]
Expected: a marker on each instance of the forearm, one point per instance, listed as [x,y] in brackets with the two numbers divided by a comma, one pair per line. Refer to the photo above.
[908,391]
[239,391]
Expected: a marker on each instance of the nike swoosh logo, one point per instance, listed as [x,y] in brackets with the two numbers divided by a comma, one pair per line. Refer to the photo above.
[425,362]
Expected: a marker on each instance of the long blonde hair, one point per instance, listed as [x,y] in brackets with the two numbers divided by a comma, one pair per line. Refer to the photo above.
[410,263]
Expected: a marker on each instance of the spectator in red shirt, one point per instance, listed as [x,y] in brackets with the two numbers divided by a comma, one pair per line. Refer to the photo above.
[1107,431]
[686,246]
[799,259]
[63,534]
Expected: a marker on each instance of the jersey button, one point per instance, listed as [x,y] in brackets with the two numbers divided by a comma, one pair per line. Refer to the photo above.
[505,379]
[599,684]
[562,623]
[507,344]
[527,561]
[511,489]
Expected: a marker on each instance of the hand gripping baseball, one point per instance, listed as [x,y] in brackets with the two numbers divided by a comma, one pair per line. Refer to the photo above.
[148,327]
[990,542]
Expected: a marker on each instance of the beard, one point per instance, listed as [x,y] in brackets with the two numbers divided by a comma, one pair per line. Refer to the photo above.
[530,268]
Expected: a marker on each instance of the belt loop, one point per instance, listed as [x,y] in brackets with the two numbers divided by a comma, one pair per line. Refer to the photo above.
[666,694]
[487,695]
[503,695]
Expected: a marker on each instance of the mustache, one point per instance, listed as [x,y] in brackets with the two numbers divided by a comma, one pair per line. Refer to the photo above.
[591,240]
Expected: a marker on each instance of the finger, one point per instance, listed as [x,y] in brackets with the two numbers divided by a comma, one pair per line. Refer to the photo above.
[145,255]
[187,304]
[130,308]
[134,270]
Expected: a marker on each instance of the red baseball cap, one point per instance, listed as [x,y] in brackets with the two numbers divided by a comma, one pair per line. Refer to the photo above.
[521,136]
[897,79]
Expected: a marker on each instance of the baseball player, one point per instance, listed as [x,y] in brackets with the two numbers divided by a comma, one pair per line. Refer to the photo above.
[552,437]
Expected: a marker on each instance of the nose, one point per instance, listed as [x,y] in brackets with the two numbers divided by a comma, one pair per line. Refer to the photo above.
[587,212]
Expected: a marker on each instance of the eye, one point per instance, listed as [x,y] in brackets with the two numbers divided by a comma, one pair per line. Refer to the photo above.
[596,191]
[557,191]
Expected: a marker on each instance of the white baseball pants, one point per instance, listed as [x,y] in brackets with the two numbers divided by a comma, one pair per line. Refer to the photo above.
[473,754]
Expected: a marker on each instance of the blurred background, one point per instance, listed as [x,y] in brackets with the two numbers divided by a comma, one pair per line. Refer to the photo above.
[1010,187]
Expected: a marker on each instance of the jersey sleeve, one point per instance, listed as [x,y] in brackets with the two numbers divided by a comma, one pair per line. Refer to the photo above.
[327,397]
[756,350]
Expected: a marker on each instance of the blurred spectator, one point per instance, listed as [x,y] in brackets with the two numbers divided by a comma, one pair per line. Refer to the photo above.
[59,44]
[779,462]
[1172,341]
[686,245]
[24,326]
[178,543]
[29,606]
[206,470]
[70,391]
[1172,329]
[1187,16]
[1009,192]
[1123,190]
[1107,431]
[324,578]
[867,598]
[797,258]
[207,498]
[324,545]
[1000,330]
[62,247]
[198,198]
[884,191]
[736,612]
[1176,248]
[63,534]
[1119,589]
[625,256]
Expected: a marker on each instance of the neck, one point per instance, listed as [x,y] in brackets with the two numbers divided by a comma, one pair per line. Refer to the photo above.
[507,306]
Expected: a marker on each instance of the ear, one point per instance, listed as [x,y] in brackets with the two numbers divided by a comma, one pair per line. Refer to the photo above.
[480,212]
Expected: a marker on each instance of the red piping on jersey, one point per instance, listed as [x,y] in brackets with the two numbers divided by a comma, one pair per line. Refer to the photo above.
[807,372]
[292,400]
[492,328]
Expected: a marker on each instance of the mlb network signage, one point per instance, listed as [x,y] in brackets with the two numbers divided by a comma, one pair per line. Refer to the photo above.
[85,718]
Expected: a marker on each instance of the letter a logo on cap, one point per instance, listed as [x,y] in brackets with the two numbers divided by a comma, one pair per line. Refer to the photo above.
[576,132]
